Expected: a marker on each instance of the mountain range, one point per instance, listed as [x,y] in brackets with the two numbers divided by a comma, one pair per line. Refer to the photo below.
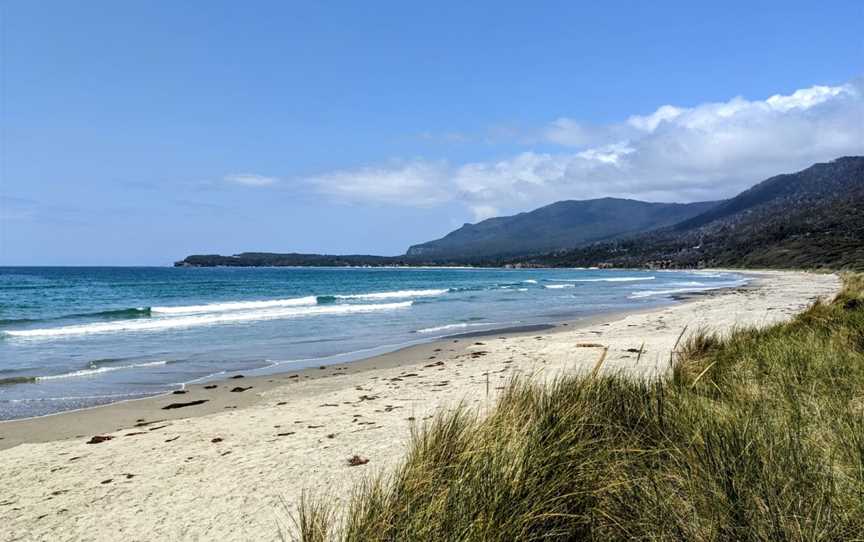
[561,225]
[812,218]
[809,219]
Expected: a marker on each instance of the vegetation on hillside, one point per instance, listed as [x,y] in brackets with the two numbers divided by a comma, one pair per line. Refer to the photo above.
[756,435]
[270,259]
[561,225]
[810,219]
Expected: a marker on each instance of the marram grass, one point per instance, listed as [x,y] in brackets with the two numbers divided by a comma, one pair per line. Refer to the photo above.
[756,435]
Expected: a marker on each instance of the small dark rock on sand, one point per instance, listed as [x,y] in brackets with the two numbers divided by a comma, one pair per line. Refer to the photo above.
[356,461]
[183,405]
[99,438]
[179,392]
[211,387]
[239,389]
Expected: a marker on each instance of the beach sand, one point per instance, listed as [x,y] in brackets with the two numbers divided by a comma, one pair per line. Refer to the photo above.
[233,467]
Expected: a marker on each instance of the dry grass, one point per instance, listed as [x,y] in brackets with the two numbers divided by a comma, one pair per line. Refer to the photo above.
[758,435]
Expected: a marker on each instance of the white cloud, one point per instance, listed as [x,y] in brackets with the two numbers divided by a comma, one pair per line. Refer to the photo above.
[417,183]
[805,98]
[649,123]
[251,179]
[674,153]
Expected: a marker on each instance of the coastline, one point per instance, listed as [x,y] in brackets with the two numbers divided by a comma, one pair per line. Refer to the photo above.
[216,390]
[208,471]
[71,355]
[75,422]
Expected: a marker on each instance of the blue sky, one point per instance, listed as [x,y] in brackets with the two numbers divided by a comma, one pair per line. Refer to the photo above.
[135,133]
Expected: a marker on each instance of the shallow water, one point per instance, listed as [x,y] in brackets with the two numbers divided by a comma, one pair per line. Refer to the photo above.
[77,337]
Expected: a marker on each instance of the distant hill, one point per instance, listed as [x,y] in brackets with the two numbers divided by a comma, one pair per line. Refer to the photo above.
[561,225]
[812,218]
[270,259]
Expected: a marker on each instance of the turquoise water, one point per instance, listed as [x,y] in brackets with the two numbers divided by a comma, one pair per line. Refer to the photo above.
[77,337]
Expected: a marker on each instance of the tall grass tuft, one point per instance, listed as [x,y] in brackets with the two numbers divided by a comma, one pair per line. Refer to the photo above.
[757,435]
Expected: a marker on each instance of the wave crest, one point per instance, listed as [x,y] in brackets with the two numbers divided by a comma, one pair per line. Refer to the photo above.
[100,369]
[195,320]
[399,294]
[236,306]
[610,279]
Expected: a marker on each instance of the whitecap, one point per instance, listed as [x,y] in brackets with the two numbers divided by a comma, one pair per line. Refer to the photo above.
[236,306]
[154,324]
[99,370]
[609,279]
[399,294]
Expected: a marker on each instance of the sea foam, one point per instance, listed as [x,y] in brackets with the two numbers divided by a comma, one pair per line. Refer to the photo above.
[673,291]
[204,319]
[610,279]
[461,325]
[99,370]
[236,306]
[399,294]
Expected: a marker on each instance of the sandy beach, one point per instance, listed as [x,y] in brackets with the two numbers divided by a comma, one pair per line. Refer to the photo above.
[232,464]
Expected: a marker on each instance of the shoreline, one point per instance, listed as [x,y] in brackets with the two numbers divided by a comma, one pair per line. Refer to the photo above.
[126,413]
[236,473]
[56,386]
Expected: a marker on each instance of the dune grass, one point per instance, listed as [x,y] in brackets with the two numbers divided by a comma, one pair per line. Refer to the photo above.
[756,435]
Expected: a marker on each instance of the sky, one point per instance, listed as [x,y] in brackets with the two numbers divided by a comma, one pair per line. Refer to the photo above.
[136,133]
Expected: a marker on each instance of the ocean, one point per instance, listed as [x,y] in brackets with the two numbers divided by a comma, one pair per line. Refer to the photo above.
[74,337]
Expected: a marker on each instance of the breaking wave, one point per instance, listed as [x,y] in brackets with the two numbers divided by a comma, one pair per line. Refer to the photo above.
[610,279]
[96,369]
[399,294]
[194,320]
[235,306]
[134,312]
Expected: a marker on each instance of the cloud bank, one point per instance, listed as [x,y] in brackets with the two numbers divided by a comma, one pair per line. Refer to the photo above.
[708,151]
